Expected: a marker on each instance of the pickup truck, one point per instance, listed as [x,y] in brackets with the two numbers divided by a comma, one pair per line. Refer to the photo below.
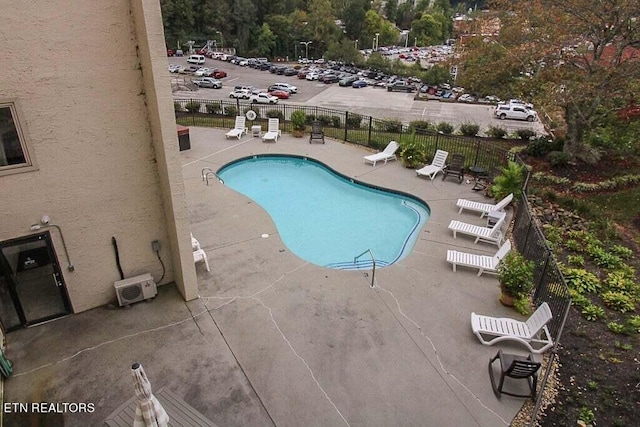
[208,82]
[263,98]
[400,87]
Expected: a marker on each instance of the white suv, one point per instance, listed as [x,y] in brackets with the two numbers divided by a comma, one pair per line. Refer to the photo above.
[515,111]
[287,86]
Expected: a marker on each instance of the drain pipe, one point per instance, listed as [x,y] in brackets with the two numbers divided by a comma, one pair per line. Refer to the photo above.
[115,248]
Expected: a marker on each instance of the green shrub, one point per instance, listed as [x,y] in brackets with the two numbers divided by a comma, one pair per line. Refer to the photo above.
[633,323]
[445,128]
[581,280]
[515,275]
[579,300]
[523,305]
[603,258]
[586,415]
[577,260]
[336,121]
[616,327]
[275,114]
[311,118]
[420,126]
[325,120]
[391,126]
[213,107]
[510,180]
[354,121]
[622,251]
[230,110]
[558,159]
[298,120]
[177,107]
[496,132]
[411,153]
[539,146]
[469,129]
[193,107]
[620,281]
[618,301]
[525,134]
[592,313]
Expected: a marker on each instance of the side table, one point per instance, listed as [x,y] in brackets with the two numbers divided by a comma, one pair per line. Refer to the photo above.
[256,131]
[493,217]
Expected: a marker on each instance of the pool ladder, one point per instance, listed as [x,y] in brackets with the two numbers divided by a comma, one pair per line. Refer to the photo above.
[373,260]
[207,172]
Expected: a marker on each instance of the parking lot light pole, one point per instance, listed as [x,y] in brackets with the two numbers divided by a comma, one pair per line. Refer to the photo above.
[306,48]
[377,45]
[356,44]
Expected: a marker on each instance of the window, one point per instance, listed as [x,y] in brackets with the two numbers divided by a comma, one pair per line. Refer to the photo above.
[14,152]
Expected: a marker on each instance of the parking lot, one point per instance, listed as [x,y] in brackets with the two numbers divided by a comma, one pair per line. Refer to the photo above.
[370,101]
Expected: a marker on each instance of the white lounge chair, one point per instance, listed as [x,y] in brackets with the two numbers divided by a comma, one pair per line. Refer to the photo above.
[437,165]
[484,263]
[239,129]
[273,131]
[389,153]
[533,333]
[482,234]
[201,256]
[483,208]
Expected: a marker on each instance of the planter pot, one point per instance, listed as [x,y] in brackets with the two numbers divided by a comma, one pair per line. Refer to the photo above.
[506,299]
[298,133]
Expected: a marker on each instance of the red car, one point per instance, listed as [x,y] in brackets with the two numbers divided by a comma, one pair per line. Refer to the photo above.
[280,94]
[217,74]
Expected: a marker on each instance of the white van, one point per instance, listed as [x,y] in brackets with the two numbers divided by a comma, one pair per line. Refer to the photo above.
[196,59]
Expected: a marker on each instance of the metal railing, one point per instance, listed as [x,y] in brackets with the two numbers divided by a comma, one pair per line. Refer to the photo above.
[373,260]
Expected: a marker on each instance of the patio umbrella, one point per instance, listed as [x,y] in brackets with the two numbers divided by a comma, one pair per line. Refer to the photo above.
[149,411]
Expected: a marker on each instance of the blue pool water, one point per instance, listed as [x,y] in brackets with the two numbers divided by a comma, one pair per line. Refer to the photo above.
[325,218]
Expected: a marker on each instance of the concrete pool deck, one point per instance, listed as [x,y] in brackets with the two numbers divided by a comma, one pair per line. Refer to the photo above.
[274,340]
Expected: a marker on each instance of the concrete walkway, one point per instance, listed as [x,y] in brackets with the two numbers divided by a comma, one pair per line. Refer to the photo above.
[274,340]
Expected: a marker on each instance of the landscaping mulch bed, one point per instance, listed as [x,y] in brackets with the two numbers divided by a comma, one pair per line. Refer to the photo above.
[598,375]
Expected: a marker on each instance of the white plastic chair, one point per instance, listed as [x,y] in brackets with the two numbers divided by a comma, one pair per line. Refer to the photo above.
[483,208]
[389,153]
[239,129]
[484,263]
[201,256]
[532,333]
[437,165]
[273,131]
[482,234]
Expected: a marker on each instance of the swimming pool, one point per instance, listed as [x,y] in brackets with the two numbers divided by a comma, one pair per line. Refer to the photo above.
[324,217]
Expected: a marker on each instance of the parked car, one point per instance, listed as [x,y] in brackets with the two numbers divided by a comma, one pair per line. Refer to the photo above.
[263,98]
[329,78]
[240,94]
[303,74]
[217,74]
[400,86]
[313,75]
[201,72]
[287,86]
[465,97]
[359,83]
[516,112]
[347,81]
[518,102]
[280,94]
[173,68]
[290,71]
[208,82]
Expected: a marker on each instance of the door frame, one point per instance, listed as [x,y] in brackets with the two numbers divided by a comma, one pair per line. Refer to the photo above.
[59,277]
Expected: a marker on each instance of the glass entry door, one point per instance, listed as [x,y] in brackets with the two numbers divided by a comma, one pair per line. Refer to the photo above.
[32,289]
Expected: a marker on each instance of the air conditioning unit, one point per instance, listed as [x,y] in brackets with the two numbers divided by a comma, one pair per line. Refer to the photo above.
[135,289]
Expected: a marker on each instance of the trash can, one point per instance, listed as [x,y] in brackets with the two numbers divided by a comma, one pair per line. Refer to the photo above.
[183,137]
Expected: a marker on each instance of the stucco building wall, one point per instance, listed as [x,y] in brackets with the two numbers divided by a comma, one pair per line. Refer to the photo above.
[106,151]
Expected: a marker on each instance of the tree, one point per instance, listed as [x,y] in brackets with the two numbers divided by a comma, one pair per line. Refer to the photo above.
[579,55]
[353,18]
[321,24]
[178,20]
[266,41]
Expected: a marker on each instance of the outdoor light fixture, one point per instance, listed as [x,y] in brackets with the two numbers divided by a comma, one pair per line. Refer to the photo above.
[45,221]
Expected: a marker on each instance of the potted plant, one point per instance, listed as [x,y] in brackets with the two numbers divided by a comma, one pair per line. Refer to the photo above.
[298,123]
[510,180]
[411,154]
[515,275]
